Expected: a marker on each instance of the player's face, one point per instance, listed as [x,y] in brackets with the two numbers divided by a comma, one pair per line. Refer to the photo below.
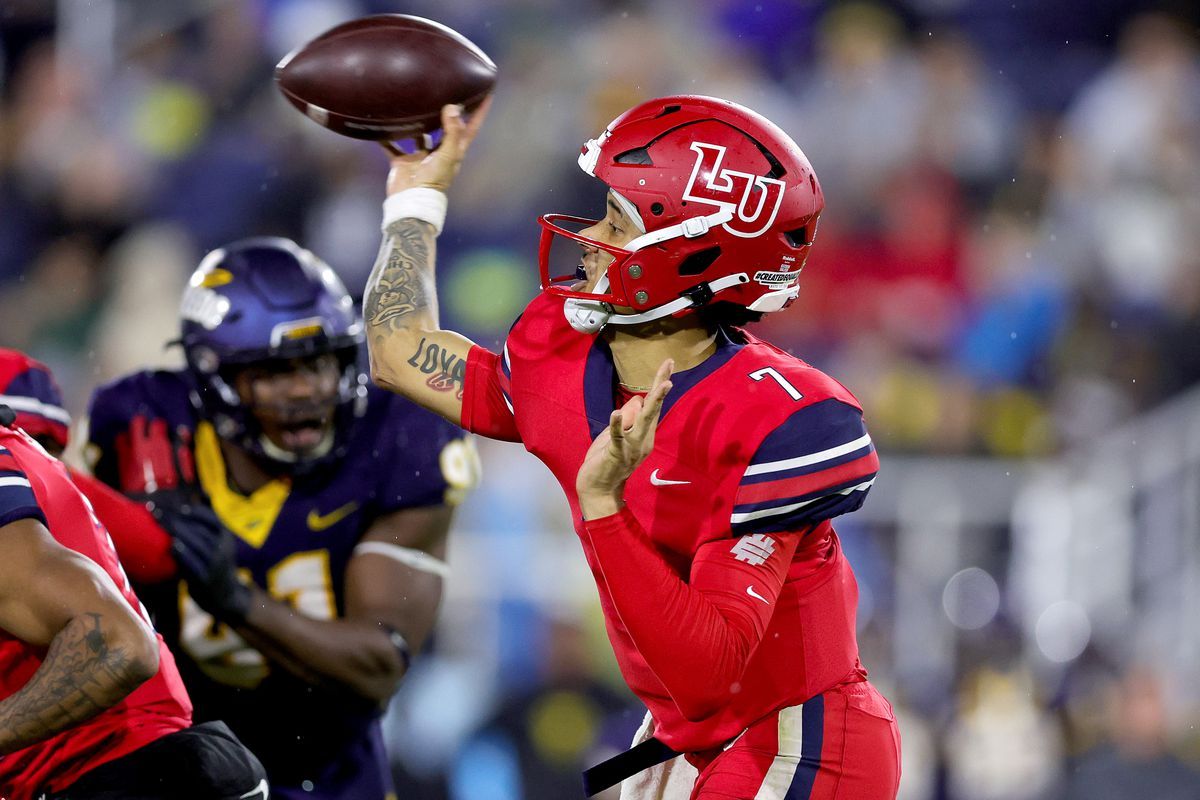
[293,399]
[616,229]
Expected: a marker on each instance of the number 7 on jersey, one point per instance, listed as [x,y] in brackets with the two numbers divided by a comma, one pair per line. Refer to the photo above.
[770,372]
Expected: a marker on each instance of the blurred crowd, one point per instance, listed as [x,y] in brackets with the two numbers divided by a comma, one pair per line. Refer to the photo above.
[1009,265]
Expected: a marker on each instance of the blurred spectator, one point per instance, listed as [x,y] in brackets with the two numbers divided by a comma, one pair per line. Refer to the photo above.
[970,118]
[539,741]
[1001,745]
[1129,182]
[860,107]
[1135,759]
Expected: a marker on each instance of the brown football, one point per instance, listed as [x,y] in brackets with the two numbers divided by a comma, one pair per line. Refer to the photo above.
[385,76]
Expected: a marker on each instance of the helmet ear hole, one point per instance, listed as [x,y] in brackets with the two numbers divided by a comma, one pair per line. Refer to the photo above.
[639,155]
[699,261]
[797,237]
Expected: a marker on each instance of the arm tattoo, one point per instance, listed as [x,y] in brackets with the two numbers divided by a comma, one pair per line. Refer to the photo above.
[400,283]
[81,675]
[447,372]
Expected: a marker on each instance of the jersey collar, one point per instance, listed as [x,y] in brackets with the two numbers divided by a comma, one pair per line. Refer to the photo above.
[600,379]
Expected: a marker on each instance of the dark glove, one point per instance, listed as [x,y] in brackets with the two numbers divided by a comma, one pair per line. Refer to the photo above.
[206,553]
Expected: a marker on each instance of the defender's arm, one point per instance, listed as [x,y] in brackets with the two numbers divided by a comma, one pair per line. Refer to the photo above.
[393,589]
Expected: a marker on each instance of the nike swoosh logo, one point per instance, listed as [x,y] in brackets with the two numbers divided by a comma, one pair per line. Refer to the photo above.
[750,591]
[319,522]
[657,481]
[262,790]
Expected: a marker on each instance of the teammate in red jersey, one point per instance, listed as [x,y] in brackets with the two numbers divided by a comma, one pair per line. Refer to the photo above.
[91,705]
[28,387]
[703,465]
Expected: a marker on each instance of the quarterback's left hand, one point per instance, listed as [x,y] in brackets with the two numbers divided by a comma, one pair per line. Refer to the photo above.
[620,448]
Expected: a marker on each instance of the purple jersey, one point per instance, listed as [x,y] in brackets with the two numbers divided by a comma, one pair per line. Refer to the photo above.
[295,538]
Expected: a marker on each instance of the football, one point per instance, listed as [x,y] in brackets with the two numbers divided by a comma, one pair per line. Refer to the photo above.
[385,77]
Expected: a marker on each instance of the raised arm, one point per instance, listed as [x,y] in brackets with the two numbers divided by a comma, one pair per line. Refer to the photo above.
[99,650]
[410,354]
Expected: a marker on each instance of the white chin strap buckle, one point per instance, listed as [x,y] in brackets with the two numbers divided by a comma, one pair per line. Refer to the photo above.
[695,226]
[589,316]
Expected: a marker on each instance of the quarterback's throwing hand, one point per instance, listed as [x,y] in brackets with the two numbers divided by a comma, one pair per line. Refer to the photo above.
[436,170]
[620,448]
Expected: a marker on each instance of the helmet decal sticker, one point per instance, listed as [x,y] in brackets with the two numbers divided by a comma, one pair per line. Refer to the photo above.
[204,306]
[727,188]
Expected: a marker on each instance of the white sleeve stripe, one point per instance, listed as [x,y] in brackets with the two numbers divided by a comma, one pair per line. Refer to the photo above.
[417,559]
[15,482]
[771,512]
[508,403]
[31,405]
[507,362]
[812,458]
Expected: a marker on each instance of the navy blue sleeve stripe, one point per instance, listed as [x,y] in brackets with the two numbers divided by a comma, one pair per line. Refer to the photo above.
[819,463]
[17,500]
[805,517]
[858,483]
[778,470]
[10,515]
[813,429]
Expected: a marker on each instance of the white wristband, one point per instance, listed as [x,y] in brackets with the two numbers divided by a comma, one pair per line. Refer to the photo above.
[423,203]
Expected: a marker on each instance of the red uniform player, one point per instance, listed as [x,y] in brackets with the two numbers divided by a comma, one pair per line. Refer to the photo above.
[90,700]
[28,387]
[702,465]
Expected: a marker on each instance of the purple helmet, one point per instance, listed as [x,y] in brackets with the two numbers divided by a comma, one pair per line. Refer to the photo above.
[261,299]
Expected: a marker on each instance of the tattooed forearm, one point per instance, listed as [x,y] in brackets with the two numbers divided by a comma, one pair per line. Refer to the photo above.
[401,282]
[84,672]
[447,372]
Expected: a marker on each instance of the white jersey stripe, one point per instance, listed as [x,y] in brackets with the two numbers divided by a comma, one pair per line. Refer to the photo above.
[734,519]
[782,771]
[812,458]
[33,406]
[14,482]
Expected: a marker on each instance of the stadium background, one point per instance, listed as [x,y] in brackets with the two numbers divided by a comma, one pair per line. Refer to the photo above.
[1007,275]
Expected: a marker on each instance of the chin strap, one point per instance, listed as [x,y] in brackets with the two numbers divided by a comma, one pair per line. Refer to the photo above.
[589,316]
[689,229]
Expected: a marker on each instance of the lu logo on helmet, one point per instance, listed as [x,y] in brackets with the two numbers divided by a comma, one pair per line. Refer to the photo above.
[726,188]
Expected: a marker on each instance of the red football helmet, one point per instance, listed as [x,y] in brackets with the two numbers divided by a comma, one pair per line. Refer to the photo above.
[28,387]
[726,201]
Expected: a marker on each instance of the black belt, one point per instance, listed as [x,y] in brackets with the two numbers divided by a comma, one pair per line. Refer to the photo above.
[624,765]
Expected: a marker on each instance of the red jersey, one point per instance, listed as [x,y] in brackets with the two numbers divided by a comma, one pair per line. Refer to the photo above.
[33,485]
[724,588]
